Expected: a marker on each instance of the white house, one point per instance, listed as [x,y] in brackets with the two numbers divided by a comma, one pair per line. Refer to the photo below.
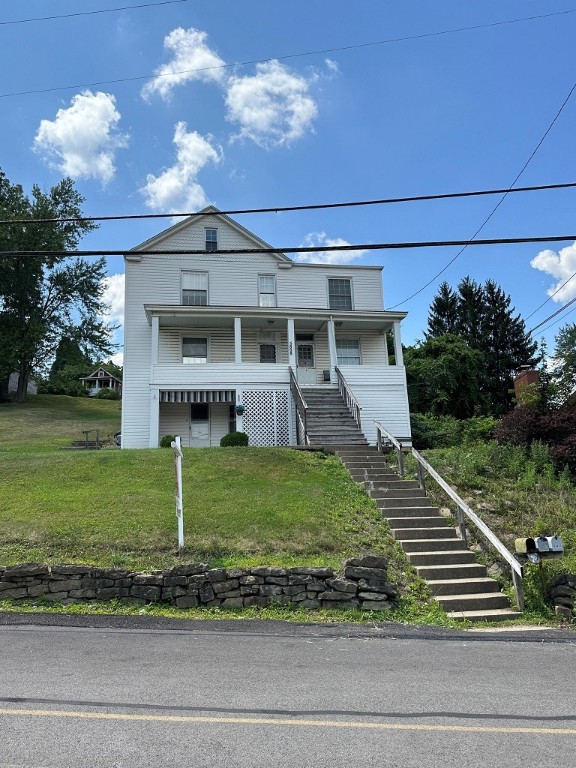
[217,342]
[101,379]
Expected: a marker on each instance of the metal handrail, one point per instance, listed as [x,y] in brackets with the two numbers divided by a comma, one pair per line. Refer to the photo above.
[463,509]
[301,408]
[353,405]
[382,435]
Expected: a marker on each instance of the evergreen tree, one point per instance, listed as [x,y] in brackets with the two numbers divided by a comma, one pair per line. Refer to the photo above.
[443,315]
[564,371]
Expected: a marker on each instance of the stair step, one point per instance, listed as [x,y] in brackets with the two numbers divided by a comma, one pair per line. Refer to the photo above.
[397,502]
[497,614]
[393,513]
[456,557]
[441,532]
[432,545]
[480,601]
[412,522]
[440,572]
[395,485]
[463,586]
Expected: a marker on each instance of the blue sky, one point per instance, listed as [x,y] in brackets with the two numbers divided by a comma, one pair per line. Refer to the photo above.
[167,113]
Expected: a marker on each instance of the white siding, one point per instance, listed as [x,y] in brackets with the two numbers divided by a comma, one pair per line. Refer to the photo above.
[382,395]
[219,421]
[306,286]
[175,420]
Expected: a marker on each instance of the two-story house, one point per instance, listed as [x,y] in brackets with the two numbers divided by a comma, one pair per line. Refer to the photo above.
[217,342]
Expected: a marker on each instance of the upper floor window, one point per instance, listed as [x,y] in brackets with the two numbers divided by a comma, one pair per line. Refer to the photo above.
[194,350]
[266,291]
[211,239]
[339,293]
[195,289]
[348,351]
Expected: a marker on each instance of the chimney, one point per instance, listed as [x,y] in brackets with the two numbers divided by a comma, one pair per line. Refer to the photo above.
[525,376]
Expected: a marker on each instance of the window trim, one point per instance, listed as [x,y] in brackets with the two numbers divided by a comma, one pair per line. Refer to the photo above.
[267,344]
[202,335]
[358,341]
[206,241]
[266,293]
[182,289]
[350,281]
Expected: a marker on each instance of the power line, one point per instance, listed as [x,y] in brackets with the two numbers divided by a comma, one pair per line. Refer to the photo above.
[550,297]
[298,249]
[91,13]
[287,208]
[341,49]
[559,320]
[499,203]
[554,314]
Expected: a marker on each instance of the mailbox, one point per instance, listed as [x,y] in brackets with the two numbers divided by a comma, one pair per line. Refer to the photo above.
[542,546]
[555,544]
[525,546]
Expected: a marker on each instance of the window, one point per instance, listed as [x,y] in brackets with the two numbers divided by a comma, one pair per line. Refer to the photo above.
[194,351]
[348,351]
[195,289]
[340,293]
[211,239]
[267,353]
[266,291]
[232,419]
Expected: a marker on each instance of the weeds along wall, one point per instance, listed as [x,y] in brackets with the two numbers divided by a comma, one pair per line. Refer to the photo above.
[362,585]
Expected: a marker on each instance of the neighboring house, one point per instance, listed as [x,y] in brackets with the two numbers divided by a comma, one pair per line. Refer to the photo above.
[31,389]
[213,340]
[101,379]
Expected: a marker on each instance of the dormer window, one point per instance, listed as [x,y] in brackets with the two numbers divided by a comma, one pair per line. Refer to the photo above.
[211,239]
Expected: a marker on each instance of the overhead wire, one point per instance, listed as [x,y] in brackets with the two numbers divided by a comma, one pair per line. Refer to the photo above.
[551,296]
[498,204]
[553,315]
[318,52]
[294,249]
[291,208]
[91,13]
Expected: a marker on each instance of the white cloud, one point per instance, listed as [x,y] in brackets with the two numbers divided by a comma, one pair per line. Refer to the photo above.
[192,60]
[332,66]
[177,187]
[561,265]
[82,140]
[114,297]
[327,257]
[272,107]
[118,359]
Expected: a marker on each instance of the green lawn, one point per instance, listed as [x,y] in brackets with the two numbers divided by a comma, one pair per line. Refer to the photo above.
[241,505]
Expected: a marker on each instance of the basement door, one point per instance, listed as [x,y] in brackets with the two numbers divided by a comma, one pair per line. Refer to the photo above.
[199,425]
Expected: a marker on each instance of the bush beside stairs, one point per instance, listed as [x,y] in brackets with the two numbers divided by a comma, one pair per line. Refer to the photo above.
[457,581]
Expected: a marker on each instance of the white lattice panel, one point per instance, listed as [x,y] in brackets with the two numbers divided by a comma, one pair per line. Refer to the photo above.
[266,419]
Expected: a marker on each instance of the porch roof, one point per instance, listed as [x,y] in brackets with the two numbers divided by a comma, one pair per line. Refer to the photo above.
[178,316]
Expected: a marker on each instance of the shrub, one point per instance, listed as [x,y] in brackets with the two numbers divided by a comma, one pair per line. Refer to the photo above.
[108,394]
[167,440]
[234,439]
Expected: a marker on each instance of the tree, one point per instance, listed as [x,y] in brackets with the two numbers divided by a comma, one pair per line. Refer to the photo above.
[445,377]
[564,372]
[69,355]
[45,298]
[482,316]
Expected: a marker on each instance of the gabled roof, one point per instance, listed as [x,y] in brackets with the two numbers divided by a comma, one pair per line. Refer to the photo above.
[94,375]
[210,210]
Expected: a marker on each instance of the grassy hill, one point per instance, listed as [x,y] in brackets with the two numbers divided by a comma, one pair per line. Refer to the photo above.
[242,506]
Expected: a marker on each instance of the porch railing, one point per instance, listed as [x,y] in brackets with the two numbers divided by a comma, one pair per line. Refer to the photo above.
[301,410]
[353,405]
[464,511]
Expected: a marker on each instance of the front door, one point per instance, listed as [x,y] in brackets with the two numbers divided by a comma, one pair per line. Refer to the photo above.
[306,363]
[199,425]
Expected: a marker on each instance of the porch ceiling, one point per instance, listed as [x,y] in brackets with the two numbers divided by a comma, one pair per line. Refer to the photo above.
[176,316]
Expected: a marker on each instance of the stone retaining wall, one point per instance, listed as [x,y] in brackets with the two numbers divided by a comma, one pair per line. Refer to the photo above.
[563,595]
[362,584]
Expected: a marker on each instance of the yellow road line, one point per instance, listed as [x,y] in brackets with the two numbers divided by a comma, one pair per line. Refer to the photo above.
[284,721]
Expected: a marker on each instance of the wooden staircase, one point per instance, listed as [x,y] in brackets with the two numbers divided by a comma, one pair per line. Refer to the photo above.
[329,419]
[458,582]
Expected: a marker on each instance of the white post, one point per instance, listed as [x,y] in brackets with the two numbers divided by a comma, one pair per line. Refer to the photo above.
[179,511]
[154,417]
[237,340]
[398,345]
[332,347]
[154,342]
[291,343]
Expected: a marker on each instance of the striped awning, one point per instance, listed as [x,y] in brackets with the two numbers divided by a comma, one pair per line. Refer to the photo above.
[197,396]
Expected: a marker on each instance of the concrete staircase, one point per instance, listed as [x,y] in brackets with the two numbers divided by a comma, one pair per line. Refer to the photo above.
[457,581]
[329,420]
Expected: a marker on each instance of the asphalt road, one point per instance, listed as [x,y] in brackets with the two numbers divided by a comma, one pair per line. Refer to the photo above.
[121,693]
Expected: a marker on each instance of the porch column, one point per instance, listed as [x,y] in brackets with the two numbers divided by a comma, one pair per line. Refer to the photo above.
[291,343]
[332,348]
[154,417]
[398,344]
[154,344]
[237,340]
